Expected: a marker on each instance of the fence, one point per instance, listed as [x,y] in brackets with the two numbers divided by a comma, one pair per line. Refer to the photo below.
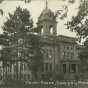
[43,84]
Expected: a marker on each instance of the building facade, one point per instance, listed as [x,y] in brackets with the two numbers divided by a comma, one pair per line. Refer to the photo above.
[60,52]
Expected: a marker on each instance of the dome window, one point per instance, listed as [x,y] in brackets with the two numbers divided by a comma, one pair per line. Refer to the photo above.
[51,29]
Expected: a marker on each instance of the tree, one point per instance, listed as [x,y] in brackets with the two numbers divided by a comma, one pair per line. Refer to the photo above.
[26,1]
[1,1]
[79,24]
[37,59]
[1,11]
[83,55]
[20,43]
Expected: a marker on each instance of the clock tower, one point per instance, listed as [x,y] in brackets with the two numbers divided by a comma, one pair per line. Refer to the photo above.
[47,22]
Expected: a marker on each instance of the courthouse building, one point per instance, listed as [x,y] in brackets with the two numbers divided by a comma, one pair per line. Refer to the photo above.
[60,52]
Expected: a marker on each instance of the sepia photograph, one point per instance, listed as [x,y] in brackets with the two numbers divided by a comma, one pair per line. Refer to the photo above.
[43,43]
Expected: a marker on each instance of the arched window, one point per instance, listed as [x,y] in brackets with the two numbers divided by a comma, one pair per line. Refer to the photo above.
[51,29]
[42,31]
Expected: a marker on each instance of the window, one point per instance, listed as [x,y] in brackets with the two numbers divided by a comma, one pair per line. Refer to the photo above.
[66,54]
[50,53]
[72,55]
[29,76]
[69,55]
[72,48]
[72,68]
[64,68]
[21,67]
[51,29]
[43,76]
[57,67]
[42,31]
[46,66]
[0,54]
[68,47]
[50,67]
[46,51]
[19,54]
[42,68]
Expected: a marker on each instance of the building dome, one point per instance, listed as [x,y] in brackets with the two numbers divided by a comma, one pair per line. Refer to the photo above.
[46,14]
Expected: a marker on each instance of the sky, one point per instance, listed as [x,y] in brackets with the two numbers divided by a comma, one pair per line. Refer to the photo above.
[37,6]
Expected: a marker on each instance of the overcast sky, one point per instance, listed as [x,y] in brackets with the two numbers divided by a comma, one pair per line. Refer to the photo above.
[36,7]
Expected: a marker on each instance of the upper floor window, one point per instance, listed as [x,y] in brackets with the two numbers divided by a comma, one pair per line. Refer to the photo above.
[50,67]
[42,68]
[57,67]
[19,54]
[46,67]
[42,30]
[72,68]
[50,53]
[68,55]
[64,68]
[51,29]
[68,47]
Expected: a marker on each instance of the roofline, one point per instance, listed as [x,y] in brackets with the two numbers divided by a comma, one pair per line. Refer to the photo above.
[67,36]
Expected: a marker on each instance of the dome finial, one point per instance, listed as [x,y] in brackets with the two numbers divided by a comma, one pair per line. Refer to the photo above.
[46,4]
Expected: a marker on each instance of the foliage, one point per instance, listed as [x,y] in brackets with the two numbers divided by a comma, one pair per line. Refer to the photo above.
[1,11]
[1,1]
[79,24]
[19,42]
